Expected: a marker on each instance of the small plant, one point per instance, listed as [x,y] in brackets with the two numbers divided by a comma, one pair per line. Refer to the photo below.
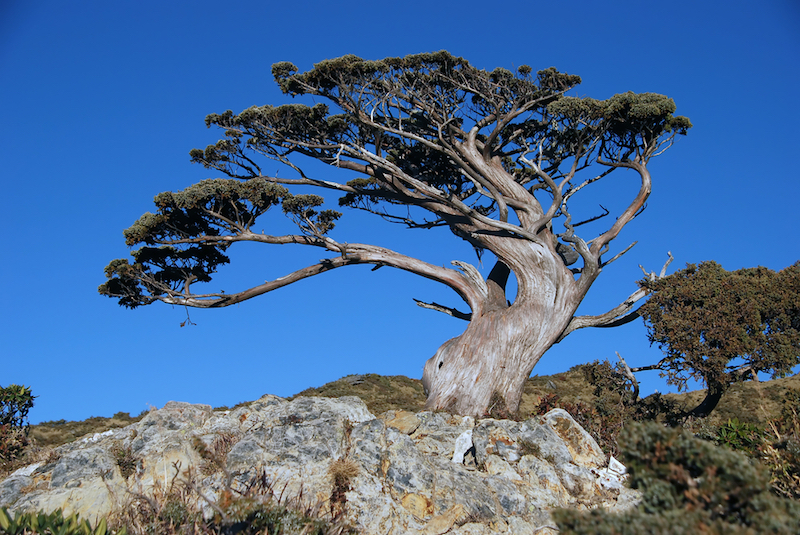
[342,471]
[740,436]
[15,402]
[51,524]
[125,459]
[215,455]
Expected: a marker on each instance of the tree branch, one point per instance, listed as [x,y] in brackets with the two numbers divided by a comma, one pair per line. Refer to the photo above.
[447,310]
[626,370]
[472,290]
[619,315]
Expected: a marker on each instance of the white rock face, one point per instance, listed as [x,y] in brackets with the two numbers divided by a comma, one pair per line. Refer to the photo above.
[417,474]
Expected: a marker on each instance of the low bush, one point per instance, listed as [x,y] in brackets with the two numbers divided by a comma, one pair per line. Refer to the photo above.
[688,485]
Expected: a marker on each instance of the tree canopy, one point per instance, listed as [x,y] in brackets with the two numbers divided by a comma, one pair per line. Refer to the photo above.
[721,327]
[429,141]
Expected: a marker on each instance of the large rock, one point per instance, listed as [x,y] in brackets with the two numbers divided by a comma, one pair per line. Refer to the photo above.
[426,473]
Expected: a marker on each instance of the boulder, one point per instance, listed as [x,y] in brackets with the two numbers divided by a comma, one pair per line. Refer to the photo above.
[425,473]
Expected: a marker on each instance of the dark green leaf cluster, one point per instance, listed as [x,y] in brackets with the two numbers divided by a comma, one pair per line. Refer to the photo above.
[688,485]
[624,121]
[353,70]
[714,324]
[740,436]
[208,208]
[301,209]
[124,283]
[15,402]
[185,240]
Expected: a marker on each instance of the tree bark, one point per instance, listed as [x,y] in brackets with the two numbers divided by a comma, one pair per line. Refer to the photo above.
[713,395]
[494,357]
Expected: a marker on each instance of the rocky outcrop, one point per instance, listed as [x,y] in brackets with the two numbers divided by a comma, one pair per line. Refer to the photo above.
[426,473]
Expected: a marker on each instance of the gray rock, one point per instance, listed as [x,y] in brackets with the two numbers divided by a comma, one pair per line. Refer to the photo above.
[419,473]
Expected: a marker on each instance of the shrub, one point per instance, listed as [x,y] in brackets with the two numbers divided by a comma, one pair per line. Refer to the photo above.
[688,485]
[15,402]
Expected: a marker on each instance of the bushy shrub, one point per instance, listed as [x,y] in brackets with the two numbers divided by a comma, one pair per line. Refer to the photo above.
[15,402]
[688,485]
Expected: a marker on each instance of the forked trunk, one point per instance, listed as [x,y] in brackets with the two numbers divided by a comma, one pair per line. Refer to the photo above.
[493,358]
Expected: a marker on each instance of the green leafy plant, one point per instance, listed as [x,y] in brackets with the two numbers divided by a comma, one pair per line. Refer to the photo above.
[740,436]
[51,524]
[15,402]
[125,459]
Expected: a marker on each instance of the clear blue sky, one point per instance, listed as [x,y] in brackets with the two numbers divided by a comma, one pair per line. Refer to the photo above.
[102,102]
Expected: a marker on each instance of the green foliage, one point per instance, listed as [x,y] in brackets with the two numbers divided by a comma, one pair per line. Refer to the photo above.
[688,485]
[722,326]
[401,124]
[15,402]
[186,239]
[51,524]
[125,459]
[740,436]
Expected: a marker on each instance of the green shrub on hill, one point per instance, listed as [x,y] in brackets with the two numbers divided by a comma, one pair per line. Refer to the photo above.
[688,485]
[15,402]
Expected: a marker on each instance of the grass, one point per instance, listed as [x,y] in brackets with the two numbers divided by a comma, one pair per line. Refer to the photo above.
[58,432]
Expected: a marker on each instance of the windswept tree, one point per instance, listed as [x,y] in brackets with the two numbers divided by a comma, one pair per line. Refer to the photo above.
[722,327]
[429,141]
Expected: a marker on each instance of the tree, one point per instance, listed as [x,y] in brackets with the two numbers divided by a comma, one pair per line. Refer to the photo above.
[431,141]
[721,326]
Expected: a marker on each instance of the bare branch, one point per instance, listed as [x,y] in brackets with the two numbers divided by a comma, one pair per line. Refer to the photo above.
[469,284]
[619,315]
[628,248]
[447,310]
[629,374]
[591,219]
[633,208]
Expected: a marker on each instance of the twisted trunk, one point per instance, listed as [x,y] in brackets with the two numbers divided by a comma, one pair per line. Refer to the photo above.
[494,357]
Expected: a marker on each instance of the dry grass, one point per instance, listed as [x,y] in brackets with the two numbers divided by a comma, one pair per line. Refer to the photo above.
[58,432]
[380,393]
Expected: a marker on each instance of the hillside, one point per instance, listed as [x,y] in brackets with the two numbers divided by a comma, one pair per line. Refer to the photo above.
[749,402]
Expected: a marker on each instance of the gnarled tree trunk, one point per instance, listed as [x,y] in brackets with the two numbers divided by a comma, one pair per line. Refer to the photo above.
[502,344]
